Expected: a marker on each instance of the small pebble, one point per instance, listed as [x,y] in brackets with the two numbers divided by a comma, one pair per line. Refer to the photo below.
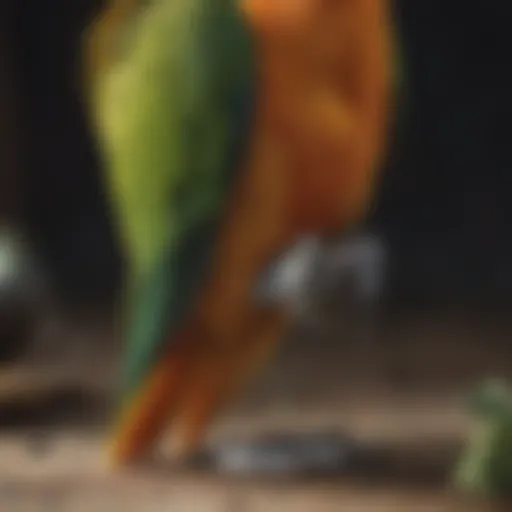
[278,453]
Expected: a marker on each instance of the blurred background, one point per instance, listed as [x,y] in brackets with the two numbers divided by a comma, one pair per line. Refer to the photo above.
[422,292]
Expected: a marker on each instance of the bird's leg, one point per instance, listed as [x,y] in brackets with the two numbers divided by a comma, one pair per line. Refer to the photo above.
[287,281]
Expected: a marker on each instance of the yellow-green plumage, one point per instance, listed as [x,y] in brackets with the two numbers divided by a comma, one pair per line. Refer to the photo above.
[173,116]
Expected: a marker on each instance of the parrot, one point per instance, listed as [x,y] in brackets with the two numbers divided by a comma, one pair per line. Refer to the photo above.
[485,464]
[228,130]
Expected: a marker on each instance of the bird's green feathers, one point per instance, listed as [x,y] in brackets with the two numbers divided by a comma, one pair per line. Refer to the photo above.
[174,115]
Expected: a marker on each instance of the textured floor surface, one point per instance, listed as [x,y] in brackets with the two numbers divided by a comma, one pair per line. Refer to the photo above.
[401,397]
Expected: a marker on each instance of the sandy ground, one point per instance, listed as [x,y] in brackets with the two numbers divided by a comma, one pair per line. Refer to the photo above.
[421,439]
[404,398]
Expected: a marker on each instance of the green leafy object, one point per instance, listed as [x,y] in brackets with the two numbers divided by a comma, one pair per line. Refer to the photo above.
[485,466]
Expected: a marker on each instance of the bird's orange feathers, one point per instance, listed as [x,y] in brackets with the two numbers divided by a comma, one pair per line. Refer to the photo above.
[326,83]
[323,102]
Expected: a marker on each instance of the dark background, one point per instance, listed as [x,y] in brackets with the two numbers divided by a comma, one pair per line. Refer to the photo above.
[444,207]
[446,204]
